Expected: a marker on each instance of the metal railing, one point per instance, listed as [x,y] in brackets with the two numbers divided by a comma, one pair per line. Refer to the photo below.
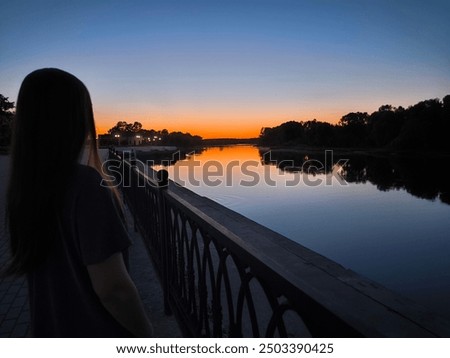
[224,275]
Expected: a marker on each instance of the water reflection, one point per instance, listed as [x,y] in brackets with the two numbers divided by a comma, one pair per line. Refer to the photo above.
[369,224]
[420,176]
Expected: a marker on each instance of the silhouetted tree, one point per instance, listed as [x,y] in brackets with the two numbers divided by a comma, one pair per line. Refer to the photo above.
[354,119]
[445,120]
[384,125]
[6,106]
[354,131]
[6,118]
[151,136]
[319,133]
[423,126]
[183,139]
[446,103]
[287,133]
[136,127]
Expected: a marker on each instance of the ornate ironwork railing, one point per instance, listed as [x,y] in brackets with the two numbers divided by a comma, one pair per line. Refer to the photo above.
[224,275]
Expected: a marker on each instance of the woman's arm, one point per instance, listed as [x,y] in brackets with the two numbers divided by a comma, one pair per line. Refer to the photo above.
[119,295]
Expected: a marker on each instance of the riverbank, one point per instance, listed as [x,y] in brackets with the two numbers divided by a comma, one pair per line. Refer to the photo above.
[381,152]
[162,151]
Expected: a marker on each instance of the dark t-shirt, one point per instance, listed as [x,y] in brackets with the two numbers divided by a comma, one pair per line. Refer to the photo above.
[62,300]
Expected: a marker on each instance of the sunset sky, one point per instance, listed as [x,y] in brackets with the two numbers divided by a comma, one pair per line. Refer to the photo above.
[228,68]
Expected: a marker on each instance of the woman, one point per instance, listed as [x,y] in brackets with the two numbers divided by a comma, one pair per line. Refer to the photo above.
[65,228]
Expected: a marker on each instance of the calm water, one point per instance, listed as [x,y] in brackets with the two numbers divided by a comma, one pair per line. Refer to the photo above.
[388,220]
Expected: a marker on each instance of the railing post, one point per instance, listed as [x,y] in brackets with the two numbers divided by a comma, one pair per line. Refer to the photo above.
[133,157]
[134,181]
[163,183]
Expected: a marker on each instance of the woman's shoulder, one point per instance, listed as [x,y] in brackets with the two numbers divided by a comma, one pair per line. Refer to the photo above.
[88,180]
[87,173]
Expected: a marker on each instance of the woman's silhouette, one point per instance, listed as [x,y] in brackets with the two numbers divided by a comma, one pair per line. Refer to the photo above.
[66,230]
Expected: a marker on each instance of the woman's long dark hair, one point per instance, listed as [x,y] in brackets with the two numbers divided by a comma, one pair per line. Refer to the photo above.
[54,118]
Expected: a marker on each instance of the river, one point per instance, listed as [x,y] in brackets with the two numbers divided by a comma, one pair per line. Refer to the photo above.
[386,218]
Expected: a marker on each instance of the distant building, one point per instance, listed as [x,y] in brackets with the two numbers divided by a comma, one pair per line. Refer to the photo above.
[120,139]
[135,139]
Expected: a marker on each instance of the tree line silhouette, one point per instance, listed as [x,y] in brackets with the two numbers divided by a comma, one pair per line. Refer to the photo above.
[423,126]
[151,136]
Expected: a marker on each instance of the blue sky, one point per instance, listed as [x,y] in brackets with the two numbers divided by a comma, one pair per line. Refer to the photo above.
[221,68]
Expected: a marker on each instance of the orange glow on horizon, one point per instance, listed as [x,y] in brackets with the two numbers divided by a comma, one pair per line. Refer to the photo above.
[226,125]
[205,132]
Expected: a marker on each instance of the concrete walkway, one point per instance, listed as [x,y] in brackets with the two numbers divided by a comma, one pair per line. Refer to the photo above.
[14,309]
